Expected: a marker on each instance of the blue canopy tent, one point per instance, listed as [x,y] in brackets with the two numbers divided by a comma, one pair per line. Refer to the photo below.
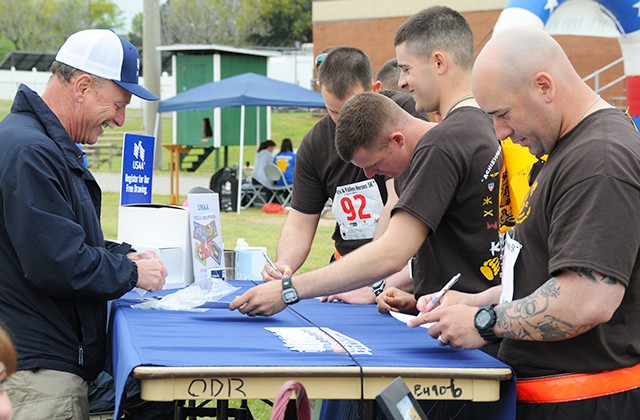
[248,89]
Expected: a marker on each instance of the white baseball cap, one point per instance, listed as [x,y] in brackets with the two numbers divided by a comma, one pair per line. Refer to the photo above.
[105,54]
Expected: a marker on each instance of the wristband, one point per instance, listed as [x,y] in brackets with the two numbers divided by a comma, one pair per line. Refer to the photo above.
[133,279]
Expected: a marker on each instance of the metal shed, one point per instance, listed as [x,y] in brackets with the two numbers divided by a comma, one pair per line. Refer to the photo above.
[194,65]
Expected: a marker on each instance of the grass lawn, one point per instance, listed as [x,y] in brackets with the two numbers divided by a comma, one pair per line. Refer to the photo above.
[259,229]
[293,125]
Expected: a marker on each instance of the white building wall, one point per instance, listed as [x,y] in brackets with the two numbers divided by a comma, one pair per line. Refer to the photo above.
[296,69]
[10,80]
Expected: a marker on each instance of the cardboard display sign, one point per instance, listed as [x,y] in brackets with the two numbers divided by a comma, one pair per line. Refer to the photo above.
[206,236]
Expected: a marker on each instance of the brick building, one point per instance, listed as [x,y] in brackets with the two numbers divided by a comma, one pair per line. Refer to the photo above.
[371,25]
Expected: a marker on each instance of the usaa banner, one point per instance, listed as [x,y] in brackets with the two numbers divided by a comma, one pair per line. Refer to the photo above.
[137,169]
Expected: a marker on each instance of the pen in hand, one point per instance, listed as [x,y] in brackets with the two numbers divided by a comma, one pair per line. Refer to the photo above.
[441,293]
[271,263]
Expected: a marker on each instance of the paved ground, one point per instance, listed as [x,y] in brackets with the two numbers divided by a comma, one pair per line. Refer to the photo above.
[111,182]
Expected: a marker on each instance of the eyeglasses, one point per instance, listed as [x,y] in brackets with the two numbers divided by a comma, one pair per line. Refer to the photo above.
[320,58]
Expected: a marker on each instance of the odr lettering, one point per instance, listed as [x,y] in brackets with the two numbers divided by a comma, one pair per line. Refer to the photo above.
[231,387]
[438,390]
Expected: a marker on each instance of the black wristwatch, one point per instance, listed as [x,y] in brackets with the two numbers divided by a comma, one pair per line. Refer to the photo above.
[484,321]
[378,287]
[289,293]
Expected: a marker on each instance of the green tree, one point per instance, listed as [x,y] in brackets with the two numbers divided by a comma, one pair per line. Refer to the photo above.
[204,21]
[43,25]
[135,36]
[228,22]
[106,15]
[283,23]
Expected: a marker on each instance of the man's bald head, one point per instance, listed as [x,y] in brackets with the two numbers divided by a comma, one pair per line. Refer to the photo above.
[515,55]
[525,80]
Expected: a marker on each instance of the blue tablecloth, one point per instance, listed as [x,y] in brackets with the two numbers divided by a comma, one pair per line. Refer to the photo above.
[219,337]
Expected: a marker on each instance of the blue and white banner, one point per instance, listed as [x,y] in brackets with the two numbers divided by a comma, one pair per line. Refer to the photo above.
[137,169]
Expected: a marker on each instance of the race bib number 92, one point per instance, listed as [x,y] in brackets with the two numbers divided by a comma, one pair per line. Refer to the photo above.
[357,208]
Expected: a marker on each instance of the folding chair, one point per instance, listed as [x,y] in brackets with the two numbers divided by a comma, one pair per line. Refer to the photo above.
[251,193]
[327,207]
[282,193]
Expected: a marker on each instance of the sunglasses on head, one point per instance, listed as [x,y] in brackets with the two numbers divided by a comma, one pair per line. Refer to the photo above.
[320,58]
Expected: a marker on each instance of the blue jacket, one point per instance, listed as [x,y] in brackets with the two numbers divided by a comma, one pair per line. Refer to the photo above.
[56,271]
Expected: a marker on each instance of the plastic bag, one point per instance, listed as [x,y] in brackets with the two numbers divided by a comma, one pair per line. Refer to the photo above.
[189,298]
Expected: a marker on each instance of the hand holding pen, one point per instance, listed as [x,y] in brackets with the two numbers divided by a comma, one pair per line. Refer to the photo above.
[269,275]
[270,262]
[441,293]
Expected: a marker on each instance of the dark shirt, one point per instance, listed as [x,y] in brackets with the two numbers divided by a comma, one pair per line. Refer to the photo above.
[452,187]
[582,212]
[319,170]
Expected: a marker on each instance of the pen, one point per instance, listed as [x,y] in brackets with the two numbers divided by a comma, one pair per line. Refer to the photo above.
[266,257]
[441,293]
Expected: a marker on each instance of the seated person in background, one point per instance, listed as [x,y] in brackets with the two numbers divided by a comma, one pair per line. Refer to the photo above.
[264,156]
[8,364]
[286,161]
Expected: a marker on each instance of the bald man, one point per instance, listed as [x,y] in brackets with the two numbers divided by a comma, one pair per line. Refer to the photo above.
[568,307]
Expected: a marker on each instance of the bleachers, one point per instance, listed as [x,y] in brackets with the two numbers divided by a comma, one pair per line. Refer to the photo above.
[104,151]
[108,150]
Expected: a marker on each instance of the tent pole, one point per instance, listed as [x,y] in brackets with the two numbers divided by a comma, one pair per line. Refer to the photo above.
[268,122]
[241,159]
[156,130]
[257,126]
[156,127]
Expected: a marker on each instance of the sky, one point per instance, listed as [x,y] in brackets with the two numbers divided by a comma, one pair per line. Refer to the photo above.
[130,9]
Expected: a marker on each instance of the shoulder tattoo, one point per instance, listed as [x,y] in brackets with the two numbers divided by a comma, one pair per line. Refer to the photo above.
[593,275]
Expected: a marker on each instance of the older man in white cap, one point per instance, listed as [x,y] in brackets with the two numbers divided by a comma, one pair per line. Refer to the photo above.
[56,270]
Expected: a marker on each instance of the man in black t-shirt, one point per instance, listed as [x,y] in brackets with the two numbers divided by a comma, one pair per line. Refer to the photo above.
[321,175]
[568,306]
[449,193]
[460,197]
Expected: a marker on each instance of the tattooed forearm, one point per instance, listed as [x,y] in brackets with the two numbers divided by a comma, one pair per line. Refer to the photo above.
[527,318]
[592,275]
